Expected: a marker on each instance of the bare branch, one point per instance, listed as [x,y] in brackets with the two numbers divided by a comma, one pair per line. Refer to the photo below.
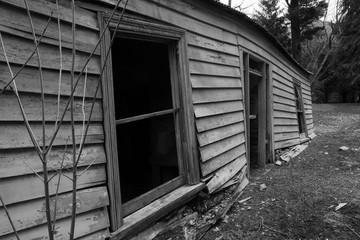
[9,217]
[79,175]
[27,164]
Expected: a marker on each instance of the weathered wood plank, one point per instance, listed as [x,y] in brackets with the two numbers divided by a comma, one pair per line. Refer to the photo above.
[211,122]
[285,108]
[16,18]
[18,51]
[12,163]
[210,151]
[209,109]
[215,95]
[308,111]
[28,81]
[211,69]
[15,135]
[10,110]
[100,235]
[286,121]
[279,99]
[287,143]
[283,94]
[216,57]
[284,114]
[29,187]
[86,223]
[218,134]
[310,126]
[31,213]
[194,39]
[226,173]
[285,87]
[221,160]
[198,81]
[286,136]
[286,129]
[82,17]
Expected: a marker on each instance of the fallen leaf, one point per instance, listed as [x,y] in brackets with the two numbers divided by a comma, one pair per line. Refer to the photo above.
[341,205]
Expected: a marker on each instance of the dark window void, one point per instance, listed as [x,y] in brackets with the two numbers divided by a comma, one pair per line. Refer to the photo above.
[254,119]
[146,148]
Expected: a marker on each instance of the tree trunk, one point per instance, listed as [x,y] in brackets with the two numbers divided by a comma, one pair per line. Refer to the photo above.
[295,30]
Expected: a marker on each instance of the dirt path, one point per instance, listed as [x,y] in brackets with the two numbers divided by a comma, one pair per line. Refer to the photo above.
[300,199]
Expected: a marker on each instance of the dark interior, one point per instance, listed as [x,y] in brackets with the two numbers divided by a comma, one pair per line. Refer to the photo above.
[146,148]
[254,119]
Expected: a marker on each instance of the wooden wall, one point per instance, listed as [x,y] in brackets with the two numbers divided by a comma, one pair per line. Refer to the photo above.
[215,41]
[21,190]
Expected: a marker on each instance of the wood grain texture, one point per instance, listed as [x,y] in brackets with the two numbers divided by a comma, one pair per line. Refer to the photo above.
[12,163]
[285,108]
[284,114]
[86,223]
[284,94]
[18,50]
[100,235]
[28,81]
[28,187]
[210,151]
[286,101]
[216,95]
[222,159]
[208,109]
[10,110]
[32,213]
[211,44]
[285,121]
[226,173]
[198,81]
[211,69]
[287,143]
[209,56]
[211,122]
[218,134]
[16,18]
[15,135]
[286,136]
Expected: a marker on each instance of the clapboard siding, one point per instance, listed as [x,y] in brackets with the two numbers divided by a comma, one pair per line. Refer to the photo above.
[203,68]
[216,121]
[211,56]
[21,189]
[28,81]
[10,110]
[216,95]
[198,81]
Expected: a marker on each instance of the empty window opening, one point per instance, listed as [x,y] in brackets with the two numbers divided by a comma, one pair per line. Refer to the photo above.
[145,124]
[300,109]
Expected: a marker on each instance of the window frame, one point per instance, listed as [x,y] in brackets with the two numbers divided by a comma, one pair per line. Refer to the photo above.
[139,28]
[301,110]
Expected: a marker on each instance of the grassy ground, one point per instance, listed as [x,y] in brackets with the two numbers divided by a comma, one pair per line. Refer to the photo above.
[300,197]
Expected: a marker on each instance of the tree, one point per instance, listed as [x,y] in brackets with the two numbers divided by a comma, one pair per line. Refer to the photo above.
[271,18]
[301,14]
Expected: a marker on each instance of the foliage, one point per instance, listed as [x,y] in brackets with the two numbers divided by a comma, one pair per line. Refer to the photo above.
[302,14]
[271,18]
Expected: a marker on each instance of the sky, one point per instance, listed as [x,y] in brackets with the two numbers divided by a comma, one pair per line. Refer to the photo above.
[249,6]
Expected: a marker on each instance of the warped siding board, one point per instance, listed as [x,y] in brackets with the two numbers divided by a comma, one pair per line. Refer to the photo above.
[16,135]
[310,131]
[18,50]
[280,85]
[14,18]
[308,111]
[12,163]
[209,109]
[226,173]
[31,213]
[285,136]
[215,95]
[285,121]
[287,143]
[100,235]
[310,125]
[218,134]
[86,223]
[212,122]
[28,187]
[196,40]
[286,108]
[281,93]
[285,101]
[210,151]
[285,114]
[28,81]
[286,129]
[209,56]
[210,69]
[201,82]
[82,17]
[222,159]
[10,110]
[47,40]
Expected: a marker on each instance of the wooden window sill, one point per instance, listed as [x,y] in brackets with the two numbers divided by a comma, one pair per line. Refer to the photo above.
[142,218]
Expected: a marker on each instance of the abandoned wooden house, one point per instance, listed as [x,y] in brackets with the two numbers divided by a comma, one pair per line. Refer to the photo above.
[193,94]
